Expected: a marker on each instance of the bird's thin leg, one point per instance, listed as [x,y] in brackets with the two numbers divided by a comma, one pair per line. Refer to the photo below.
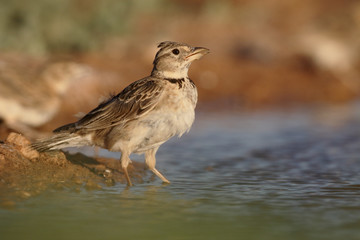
[125,160]
[96,151]
[151,161]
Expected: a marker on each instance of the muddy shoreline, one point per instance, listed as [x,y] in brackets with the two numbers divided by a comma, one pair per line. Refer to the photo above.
[25,173]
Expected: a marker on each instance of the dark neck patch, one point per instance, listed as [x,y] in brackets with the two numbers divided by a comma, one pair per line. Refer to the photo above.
[192,83]
[178,81]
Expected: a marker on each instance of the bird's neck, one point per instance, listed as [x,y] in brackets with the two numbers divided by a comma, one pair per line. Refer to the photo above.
[179,73]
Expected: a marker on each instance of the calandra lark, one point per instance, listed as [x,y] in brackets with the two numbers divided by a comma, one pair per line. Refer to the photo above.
[144,115]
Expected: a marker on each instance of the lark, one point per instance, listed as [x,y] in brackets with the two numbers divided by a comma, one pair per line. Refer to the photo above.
[144,115]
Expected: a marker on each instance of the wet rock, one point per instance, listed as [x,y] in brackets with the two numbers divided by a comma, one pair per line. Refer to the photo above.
[57,158]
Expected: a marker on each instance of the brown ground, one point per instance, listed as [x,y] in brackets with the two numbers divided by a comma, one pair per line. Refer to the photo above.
[25,173]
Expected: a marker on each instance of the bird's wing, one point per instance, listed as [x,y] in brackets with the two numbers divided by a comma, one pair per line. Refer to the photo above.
[133,102]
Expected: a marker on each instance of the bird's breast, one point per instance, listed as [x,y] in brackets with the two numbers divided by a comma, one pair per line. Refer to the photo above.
[177,107]
[173,115]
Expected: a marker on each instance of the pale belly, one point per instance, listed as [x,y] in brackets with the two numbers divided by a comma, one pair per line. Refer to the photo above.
[154,129]
[158,127]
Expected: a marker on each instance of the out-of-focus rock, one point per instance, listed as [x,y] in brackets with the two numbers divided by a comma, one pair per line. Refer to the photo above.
[31,94]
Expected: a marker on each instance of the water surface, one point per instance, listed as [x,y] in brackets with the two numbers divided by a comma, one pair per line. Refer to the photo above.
[264,175]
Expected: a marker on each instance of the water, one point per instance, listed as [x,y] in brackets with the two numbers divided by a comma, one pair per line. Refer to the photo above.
[265,175]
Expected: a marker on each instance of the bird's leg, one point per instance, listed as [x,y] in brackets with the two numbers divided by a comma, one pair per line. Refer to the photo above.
[125,160]
[96,151]
[151,161]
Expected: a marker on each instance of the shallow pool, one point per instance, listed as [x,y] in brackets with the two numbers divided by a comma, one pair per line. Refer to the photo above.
[260,175]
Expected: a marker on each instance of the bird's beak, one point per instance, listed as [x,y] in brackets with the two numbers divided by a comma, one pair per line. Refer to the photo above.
[197,53]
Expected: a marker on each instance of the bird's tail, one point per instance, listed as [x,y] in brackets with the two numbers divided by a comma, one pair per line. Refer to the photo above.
[59,141]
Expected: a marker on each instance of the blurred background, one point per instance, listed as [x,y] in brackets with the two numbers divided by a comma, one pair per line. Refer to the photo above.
[61,57]
[273,153]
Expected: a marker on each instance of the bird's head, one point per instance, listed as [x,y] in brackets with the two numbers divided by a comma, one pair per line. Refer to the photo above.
[173,59]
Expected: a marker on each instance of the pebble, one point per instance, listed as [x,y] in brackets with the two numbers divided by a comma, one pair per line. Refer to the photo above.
[23,144]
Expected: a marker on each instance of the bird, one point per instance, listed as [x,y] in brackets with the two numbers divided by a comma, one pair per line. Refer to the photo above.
[143,115]
[31,96]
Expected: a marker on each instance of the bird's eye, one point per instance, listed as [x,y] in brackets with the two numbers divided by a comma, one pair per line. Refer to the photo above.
[176,51]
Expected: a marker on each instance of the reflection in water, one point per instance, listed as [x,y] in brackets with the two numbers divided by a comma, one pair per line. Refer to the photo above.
[291,175]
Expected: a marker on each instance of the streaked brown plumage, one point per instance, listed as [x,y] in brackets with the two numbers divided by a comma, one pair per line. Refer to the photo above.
[144,115]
